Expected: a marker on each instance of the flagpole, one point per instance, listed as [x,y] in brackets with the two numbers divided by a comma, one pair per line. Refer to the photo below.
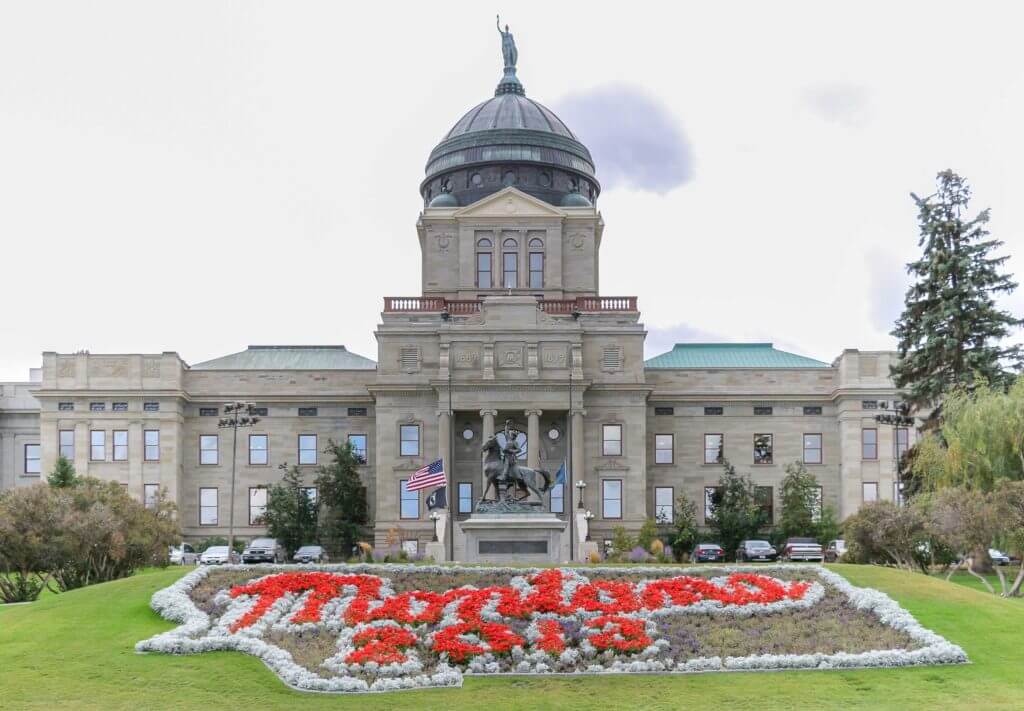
[449,474]
[568,444]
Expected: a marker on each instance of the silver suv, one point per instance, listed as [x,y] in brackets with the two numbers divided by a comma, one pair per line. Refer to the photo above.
[263,550]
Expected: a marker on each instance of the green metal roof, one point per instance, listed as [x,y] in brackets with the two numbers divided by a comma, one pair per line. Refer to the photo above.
[289,358]
[730,355]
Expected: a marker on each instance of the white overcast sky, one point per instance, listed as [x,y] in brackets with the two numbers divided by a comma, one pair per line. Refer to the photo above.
[199,176]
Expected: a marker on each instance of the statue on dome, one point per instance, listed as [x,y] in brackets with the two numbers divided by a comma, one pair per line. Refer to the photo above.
[508,46]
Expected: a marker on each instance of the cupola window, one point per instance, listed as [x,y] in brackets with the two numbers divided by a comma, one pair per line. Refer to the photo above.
[510,263]
[483,263]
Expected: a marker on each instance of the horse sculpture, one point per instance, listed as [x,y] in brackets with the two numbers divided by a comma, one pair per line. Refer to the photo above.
[515,477]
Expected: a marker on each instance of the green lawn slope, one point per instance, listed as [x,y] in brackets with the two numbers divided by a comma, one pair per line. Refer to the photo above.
[76,651]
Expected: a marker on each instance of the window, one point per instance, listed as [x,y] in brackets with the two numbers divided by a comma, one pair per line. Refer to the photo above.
[869,443]
[260,411]
[663,448]
[308,412]
[208,412]
[466,497]
[762,449]
[151,407]
[812,410]
[358,442]
[664,411]
[712,495]
[611,440]
[901,442]
[869,404]
[869,491]
[257,505]
[258,449]
[97,445]
[357,412]
[67,444]
[812,449]
[611,498]
[714,411]
[536,269]
[409,444]
[97,407]
[120,445]
[663,497]
[119,407]
[765,498]
[307,449]
[311,494]
[762,411]
[209,449]
[208,507]
[510,264]
[149,495]
[32,464]
[819,497]
[65,406]
[558,498]
[152,441]
[410,501]
[483,264]
[714,445]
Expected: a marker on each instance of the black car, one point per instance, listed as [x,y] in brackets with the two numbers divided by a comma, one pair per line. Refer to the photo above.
[310,554]
[755,550]
[707,553]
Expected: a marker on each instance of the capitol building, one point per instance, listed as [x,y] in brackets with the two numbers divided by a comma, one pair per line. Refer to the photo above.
[510,325]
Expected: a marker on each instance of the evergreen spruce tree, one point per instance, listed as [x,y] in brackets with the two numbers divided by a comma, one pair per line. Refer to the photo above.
[800,503]
[291,514]
[951,330]
[735,512]
[343,497]
[63,474]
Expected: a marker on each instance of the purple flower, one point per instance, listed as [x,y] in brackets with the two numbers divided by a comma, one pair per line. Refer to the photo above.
[638,555]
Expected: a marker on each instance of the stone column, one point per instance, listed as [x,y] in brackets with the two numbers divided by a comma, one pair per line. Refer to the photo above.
[444,439]
[135,452]
[578,466]
[486,433]
[533,438]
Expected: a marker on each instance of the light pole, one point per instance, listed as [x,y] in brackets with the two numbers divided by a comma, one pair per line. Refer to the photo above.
[239,414]
[580,486]
[899,419]
[588,517]
[434,517]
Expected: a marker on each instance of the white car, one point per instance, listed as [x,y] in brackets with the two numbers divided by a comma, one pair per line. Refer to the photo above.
[184,554]
[217,555]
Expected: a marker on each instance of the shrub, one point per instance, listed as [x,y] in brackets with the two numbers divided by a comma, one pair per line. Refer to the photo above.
[684,537]
[639,555]
[657,548]
[344,511]
[63,474]
[736,512]
[291,515]
[647,534]
[799,494]
[622,542]
[33,520]
[595,557]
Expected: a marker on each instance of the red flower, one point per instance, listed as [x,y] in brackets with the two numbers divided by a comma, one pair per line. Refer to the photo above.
[383,645]
[324,587]
[552,636]
[626,633]
[497,638]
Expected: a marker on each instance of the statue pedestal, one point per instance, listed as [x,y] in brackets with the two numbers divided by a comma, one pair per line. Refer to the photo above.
[436,551]
[513,538]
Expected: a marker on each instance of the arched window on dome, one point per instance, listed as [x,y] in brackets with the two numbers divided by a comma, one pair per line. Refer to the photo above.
[536,263]
[510,264]
[484,258]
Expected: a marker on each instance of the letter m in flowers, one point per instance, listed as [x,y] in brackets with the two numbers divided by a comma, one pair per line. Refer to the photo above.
[322,588]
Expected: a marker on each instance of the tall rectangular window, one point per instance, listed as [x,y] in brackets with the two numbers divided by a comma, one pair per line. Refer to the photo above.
[410,501]
[763,446]
[409,440]
[712,495]
[483,270]
[663,499]
[149,495]
[120,445]
[465,497]
[901,442]
[611,498]
[209,449]
[67,444]
[311,493]
[208,506]
[558,498]
[713,448]
[307,449]
[812,448]
[32,459]
[258,449]
[510,269]
[257,505]
[869,443]
[663,448]
[536,270]
[358,442]
[765,498]
[611,440]
[869,491]
[97,445]
[152,441]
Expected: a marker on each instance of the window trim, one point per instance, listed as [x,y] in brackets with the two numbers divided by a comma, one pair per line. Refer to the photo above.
[896,442]
[92,447]
[863,444]
[114,457]
[265,450]
[201,450]
[721,449]
[604,498]
[38,459]
[671,449]
[671,505]
[863,484]
[419,439]
[771,449]
[488,252]
[366,447]
[459,497]
[820,448]
[146,445]
[145,497]
[266,500]
[401,502]
[709,516]
[61,445]
[508,250]
[535,252]
[552,498]
[605,440]
[299,450]
[216,507]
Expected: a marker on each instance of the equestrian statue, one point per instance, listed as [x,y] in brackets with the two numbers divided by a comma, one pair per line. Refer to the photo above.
[511,482]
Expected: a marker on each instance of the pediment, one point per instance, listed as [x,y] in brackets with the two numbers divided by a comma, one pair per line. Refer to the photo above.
[510,202]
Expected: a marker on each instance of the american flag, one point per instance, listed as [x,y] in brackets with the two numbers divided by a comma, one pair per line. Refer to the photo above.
[430,475]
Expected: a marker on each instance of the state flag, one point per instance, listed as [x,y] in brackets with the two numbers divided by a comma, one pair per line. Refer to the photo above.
[438,499]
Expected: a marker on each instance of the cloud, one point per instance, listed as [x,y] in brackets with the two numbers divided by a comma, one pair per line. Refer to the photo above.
[633,137]
[661,340]
[841,103]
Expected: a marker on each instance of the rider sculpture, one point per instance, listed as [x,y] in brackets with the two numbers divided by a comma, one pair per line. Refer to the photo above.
[512,482]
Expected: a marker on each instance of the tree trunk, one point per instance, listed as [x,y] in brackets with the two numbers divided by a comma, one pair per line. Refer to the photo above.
[1015,588]
[953,568]
[979,576]
[1002,581]
[982,561]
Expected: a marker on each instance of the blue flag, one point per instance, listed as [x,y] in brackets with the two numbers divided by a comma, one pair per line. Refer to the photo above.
[560,476]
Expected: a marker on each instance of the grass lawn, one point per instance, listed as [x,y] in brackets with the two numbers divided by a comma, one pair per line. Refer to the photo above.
[963,578]
[76,651]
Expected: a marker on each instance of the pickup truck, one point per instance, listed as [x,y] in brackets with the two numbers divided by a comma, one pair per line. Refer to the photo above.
[802,549]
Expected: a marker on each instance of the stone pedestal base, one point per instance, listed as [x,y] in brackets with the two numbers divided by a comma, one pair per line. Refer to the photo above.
[586,549]
[512,538]
[436,551]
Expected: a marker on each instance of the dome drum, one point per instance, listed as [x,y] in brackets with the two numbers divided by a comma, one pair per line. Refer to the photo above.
[464,186]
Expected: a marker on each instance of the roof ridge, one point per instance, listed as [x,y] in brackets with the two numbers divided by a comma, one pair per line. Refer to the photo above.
[724,343]
[312,347]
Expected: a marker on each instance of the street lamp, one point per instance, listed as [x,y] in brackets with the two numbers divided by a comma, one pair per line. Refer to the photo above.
[435,517]
[239,414]
[900,418]
[588,517]
[580,486]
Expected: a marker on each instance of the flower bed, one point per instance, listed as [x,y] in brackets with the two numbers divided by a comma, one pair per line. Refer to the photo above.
[380,628]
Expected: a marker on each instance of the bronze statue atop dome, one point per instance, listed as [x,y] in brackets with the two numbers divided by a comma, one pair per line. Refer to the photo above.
[508,47]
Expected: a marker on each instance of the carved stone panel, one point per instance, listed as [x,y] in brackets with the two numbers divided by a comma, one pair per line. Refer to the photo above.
[466,356]
[509,355]
[554,356]
[110,368]
[66,368]
[151,367]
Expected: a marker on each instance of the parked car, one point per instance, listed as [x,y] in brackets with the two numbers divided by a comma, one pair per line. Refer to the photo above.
[184,554]
[998,557]
[218,555]
[707,553]
[802,549]
[310,554]
[263,550]
[755,550]
[835,550]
